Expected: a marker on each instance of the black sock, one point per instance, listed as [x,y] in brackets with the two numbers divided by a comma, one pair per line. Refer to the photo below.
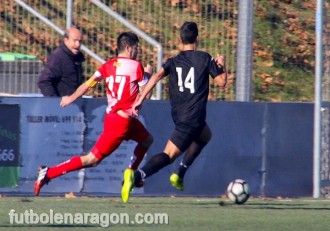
[137,177]
[182,169]
[192,153]
[156,163]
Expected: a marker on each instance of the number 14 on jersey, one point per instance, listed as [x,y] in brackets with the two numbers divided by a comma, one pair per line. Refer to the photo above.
[189,80]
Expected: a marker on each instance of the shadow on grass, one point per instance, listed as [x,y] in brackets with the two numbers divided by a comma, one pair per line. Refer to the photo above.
[275,206]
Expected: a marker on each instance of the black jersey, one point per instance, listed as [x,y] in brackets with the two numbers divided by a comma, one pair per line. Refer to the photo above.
[189,85]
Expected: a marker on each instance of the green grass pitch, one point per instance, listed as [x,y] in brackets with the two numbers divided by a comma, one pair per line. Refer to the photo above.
[184,213]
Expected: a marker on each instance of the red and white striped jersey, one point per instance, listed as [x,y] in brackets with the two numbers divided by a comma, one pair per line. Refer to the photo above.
[122,77]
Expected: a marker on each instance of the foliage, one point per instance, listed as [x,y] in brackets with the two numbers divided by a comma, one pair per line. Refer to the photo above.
[284,50]
[283,43]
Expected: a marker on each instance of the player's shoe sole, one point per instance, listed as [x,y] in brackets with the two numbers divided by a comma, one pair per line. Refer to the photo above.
[42,179]
[176,181]
[128,185]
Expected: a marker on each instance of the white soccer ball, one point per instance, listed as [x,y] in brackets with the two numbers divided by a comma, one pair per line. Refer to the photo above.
[238,191]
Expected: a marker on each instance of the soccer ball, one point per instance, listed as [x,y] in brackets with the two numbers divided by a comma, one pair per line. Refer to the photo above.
[238,191]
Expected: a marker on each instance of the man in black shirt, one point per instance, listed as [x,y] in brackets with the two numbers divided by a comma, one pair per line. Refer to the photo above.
[189,88]
[62,74]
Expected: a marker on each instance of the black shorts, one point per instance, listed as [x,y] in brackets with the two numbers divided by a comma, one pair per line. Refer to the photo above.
[184,135]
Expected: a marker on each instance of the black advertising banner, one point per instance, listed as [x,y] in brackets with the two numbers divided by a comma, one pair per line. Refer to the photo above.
[9,145]
[9,135]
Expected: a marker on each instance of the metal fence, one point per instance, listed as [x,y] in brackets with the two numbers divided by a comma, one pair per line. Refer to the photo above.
[19,77]
[22,32]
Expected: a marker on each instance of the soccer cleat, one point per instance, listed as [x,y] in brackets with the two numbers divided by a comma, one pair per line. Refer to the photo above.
[42,179]
[128,184]
[176,181]
[137,184]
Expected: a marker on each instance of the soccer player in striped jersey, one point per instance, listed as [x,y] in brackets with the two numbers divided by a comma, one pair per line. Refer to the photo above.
[189,88]
[123,76]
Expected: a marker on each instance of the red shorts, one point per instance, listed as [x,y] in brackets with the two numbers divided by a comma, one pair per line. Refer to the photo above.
[116,129]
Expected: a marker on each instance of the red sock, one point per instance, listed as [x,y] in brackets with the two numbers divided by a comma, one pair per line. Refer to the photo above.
[139,154]
[71,165]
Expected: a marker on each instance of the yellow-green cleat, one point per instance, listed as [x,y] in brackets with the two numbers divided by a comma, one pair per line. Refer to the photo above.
[128,185]
[176,181]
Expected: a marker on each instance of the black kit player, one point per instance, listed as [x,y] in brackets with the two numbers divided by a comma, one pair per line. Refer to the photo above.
[189,88]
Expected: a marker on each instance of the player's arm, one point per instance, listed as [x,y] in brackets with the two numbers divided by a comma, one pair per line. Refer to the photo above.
[221,79]
[151,83]
[82,89]
[148,71]
[147,89]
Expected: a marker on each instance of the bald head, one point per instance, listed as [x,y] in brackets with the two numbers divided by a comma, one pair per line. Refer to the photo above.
[72,39]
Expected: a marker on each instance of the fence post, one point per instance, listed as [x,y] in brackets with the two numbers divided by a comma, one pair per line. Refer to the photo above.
[318,99]
[244,51]
[69,9]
